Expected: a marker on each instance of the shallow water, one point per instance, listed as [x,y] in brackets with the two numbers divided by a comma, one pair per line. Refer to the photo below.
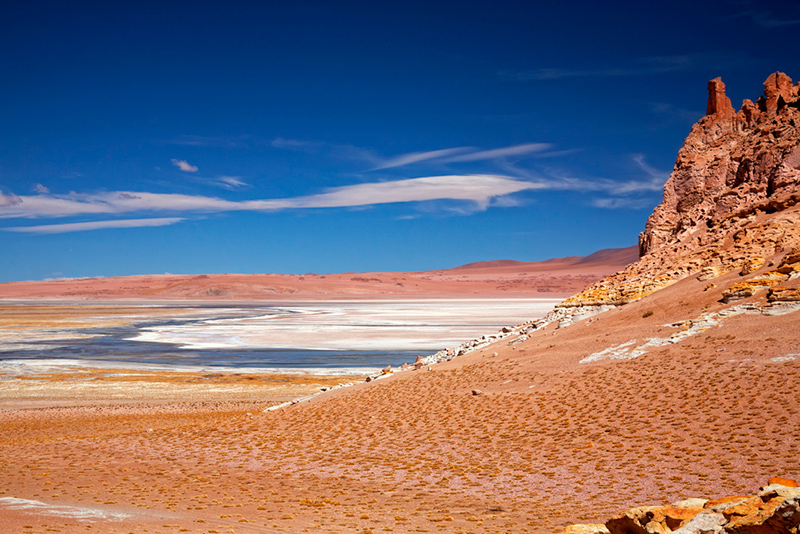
[328,337]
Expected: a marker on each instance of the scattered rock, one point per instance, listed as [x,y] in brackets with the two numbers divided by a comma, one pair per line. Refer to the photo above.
[774,510]
[476,392]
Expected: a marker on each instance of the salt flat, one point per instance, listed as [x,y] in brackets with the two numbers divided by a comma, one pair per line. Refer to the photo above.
[430,324]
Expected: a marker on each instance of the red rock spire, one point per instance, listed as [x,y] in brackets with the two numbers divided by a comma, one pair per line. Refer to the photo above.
[718,103]
[777,91]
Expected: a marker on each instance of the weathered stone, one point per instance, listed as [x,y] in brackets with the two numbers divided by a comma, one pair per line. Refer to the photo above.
[476,392]
[751,265]
[788,482]
[783,294]
[786,517]
[748,288]
[651,520]
[585,529]
[718,104]
[763,515]
[725,205]
[694,502]
[703,523]
[777,91]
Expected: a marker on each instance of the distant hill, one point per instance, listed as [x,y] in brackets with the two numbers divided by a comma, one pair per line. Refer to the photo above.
[555,278]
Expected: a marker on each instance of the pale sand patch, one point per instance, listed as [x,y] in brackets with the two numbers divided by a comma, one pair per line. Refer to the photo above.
[79,513]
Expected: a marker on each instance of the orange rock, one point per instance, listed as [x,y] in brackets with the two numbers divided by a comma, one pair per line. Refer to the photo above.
[651,520]
[777,90]
[783,294]
[748,288]
[752,264]
[724,502]
[718,104]
[788,482]
[747,516]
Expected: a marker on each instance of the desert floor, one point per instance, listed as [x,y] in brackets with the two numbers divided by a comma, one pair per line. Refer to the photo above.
[548,441]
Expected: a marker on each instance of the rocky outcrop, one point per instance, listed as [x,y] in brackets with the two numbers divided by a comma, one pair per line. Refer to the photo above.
[730,204]
[775,509]
[718,103]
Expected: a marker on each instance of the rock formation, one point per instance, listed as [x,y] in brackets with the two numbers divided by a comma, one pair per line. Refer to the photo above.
[730,203]
[775,509]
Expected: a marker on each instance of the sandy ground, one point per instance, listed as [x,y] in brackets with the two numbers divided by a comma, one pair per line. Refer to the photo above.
[548,442]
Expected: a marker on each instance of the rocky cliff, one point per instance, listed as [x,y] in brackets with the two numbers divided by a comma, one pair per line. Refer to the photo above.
[730,204]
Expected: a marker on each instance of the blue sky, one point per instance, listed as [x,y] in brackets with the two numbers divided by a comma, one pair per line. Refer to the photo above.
[297,137]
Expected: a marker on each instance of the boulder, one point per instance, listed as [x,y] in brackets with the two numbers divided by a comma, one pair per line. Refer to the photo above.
[703,523]
[788,482]
[651,520]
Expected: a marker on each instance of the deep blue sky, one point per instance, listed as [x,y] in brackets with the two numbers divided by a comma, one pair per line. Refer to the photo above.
[301,137]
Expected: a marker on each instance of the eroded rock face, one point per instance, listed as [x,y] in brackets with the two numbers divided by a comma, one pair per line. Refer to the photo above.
[731,202]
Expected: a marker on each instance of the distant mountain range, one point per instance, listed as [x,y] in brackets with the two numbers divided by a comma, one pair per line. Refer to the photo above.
[558,277]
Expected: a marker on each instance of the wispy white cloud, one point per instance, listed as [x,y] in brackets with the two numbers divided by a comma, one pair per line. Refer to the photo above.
[461,154]
[622,203]
[476,192]
[474,188]
[9,200]
[506,152]
[184,165]
[478,188]
[94,225]
[231,182]
[39,188]
[416,157]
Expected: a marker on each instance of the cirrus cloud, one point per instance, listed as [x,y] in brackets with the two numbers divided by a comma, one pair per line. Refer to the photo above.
[184,165]
[94,225]
[479,189]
